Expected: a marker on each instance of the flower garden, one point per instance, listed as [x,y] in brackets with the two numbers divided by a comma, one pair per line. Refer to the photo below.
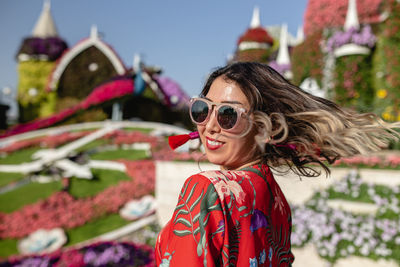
[87,208]
[337,233]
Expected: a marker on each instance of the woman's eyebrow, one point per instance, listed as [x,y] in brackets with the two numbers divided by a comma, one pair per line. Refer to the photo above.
[226,101]
[232,102]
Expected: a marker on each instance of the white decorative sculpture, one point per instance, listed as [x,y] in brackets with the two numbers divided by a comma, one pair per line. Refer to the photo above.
[136,209]
[42,241]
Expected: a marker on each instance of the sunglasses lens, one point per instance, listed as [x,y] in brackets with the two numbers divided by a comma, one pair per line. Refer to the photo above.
[227,117]
[199,111]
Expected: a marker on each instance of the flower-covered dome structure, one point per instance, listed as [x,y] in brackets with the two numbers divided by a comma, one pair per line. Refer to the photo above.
[256,43]
[267,44]
[44,44]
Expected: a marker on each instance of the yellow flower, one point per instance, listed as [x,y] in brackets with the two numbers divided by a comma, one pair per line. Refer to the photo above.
[382,93]
[387,116]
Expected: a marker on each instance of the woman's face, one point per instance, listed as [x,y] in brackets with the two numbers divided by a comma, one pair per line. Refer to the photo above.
[230,150]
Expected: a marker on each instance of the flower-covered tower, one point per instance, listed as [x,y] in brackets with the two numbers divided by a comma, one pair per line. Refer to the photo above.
[36,58]
[282,63]
[256,43]
[351,48]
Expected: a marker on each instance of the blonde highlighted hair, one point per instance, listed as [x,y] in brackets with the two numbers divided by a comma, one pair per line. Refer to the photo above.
[296,128]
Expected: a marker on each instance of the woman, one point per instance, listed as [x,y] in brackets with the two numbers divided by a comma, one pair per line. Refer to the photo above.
[249,119]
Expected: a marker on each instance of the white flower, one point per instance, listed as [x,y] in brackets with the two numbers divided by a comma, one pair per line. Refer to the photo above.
[351,249]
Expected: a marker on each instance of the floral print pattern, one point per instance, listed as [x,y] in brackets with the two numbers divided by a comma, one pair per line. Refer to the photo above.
[226,188]
[217,211]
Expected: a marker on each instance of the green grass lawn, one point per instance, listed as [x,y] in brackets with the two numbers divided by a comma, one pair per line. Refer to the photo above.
[136,129]
[27,194]
[102,179]
[362,197]
[79,234]
[363,166]
[8,177]
[8,247]
[95,228]
[20,156]
[129,154]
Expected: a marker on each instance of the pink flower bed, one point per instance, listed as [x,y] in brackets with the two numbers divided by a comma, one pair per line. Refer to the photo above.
[166,154]
[120,137]
[392,161]
[99,95]
[321,14]
[62,210]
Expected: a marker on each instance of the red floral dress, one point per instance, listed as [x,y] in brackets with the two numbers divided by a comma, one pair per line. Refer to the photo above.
[228,218]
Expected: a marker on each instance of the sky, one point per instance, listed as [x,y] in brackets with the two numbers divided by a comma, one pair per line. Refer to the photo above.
[187,39]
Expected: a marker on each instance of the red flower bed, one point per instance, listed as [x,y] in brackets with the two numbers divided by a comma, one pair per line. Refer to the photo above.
[259,35]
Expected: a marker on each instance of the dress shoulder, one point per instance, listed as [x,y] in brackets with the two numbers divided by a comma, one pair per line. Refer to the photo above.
[193,236]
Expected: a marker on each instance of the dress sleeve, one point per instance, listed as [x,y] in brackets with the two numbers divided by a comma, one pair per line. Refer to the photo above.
[195,234]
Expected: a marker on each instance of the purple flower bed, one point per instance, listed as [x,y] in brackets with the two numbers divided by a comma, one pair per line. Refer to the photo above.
[52,47]
[338,234]
[363,37]
[281,68]
[97,254]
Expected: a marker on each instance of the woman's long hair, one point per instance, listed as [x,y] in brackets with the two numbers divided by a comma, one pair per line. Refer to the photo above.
[302,128]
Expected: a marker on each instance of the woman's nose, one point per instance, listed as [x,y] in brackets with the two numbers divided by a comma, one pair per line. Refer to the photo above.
[212,124]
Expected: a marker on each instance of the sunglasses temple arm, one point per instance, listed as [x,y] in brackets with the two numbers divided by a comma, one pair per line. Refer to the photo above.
[175,141]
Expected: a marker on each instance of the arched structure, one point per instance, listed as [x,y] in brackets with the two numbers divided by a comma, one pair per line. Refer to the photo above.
[85,66]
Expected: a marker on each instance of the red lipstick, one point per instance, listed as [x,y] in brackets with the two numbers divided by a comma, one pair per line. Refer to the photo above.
[213,144]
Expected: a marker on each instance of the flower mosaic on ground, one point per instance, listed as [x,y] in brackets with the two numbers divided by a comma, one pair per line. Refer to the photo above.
[79,206]
[71,208]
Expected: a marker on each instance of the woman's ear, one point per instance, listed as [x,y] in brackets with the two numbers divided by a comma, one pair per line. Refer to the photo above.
[261,139]
[263,126]
[263,136]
